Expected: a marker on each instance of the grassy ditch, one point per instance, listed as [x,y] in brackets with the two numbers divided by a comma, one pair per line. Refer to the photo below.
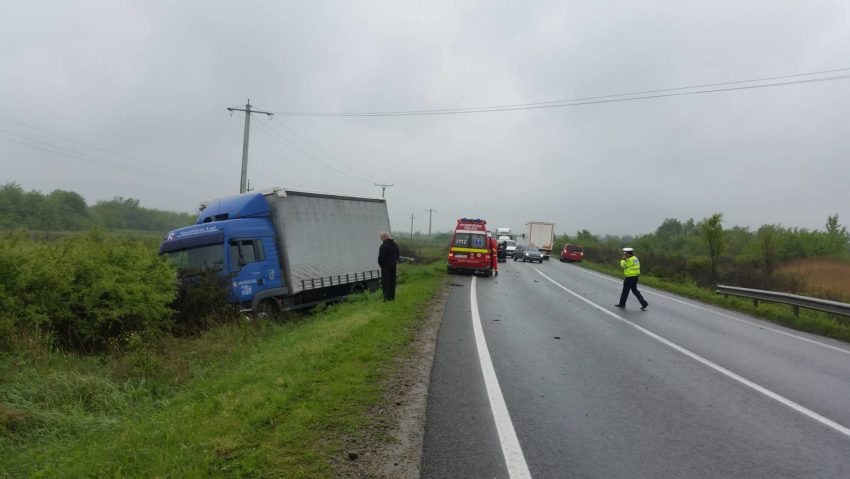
[808,320]
[258,399]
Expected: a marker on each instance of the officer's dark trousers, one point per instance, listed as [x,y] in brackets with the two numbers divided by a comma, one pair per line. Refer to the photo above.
[630,284]
[388,282]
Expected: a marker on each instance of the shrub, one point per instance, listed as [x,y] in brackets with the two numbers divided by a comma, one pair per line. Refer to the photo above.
[84,290]
[201,302]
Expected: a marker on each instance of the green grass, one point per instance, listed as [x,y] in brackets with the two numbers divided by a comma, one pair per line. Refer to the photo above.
[259,399]
[808,320]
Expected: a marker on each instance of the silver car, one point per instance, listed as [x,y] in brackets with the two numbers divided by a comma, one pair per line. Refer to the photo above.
[528,253]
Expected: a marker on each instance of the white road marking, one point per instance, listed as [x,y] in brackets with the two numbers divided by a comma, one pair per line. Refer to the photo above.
[767,392]
[517,468]
[718,313]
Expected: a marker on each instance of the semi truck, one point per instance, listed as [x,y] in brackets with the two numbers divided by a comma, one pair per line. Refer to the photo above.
[281,249]
[500,232]
[541,235]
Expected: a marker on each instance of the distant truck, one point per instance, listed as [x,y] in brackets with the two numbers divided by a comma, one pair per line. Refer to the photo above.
[541,235]
[504,232]
[283,249]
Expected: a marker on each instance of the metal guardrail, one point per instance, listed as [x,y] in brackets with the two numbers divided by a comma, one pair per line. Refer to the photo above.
[797,301]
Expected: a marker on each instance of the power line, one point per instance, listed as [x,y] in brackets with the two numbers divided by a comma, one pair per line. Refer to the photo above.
[353,172]
[103,150]
[296,148]
[317,148]
[98,161]
[643,95]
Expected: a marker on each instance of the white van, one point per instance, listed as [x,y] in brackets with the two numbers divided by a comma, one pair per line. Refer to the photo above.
[511,245]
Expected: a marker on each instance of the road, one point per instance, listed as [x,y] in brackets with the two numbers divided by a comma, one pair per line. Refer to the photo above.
[560,384]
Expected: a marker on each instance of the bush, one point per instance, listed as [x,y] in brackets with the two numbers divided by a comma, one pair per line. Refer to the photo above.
[202,302]
[668,266]
[84,290]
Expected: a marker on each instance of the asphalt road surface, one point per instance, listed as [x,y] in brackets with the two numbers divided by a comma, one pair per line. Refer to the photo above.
[536,374]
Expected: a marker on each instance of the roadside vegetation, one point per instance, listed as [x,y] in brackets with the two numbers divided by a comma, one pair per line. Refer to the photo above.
[62,210]
[102,373]
[421,250]
[690,258]
[107,369]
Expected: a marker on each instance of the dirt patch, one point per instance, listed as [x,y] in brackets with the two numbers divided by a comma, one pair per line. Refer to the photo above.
[392,446]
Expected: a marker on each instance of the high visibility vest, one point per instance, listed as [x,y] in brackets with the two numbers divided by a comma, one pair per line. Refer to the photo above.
[631,266]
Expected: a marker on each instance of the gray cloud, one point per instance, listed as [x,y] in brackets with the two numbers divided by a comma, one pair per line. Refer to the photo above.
[151,81]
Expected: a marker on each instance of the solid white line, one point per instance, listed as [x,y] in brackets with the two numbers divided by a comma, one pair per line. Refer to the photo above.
[767,392]
[727,316]
[517,468]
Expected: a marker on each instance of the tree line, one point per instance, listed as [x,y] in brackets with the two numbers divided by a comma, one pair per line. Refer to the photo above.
[62,210]
[707,253]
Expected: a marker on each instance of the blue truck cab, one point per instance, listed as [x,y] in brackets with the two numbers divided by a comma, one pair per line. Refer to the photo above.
[234,238]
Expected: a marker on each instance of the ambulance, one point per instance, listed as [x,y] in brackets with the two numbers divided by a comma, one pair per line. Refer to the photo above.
[469,250]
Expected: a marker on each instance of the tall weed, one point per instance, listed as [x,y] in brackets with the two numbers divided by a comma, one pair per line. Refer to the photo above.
[423,251]
[826,278]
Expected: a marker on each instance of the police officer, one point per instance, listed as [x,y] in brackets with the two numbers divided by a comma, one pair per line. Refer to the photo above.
[631,269]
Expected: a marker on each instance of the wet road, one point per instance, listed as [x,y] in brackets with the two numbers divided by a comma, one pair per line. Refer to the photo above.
[559,383]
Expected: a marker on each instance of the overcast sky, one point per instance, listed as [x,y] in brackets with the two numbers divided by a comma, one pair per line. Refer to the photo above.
[130,98]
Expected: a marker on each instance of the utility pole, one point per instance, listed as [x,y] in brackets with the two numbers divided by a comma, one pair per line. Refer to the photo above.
[411,225]
[248,111]
[383,188]
[430,211]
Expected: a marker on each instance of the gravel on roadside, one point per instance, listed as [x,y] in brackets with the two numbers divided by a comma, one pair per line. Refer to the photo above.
[391,448]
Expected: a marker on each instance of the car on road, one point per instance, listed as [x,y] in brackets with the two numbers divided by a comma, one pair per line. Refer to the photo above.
[572,252]
[528,253]
[511,246]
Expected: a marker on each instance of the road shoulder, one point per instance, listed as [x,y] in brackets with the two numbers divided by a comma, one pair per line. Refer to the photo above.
[392,446]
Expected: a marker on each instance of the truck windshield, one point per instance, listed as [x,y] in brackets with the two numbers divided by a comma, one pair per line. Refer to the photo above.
[198,260]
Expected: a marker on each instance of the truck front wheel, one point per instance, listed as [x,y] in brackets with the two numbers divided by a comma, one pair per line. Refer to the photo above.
[267,309]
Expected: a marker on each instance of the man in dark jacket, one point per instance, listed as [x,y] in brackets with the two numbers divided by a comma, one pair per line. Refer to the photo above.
[388,259]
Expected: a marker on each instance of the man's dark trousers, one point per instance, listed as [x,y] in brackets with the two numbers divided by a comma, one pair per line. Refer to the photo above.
[630,284]
[388,276]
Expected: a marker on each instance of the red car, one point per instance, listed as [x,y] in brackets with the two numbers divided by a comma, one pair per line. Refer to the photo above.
[572,252]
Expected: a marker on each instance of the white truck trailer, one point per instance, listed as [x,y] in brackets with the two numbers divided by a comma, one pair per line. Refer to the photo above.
[541,235]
